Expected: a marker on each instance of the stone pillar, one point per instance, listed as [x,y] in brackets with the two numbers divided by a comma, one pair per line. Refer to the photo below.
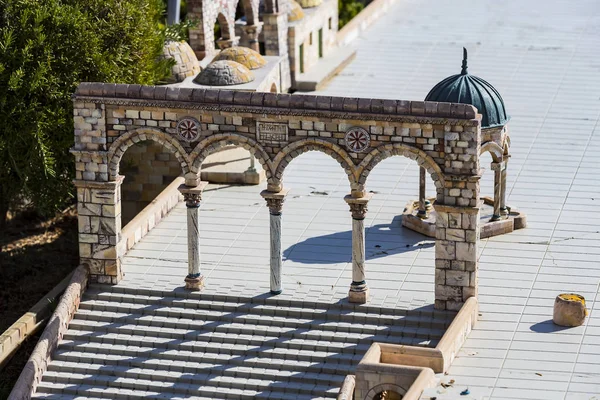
[422,213]
[503,207]
[275,35]
[497,168]
[456,264]
[194,280]
[252,32]
[359,291]
[99,219]
[275,204]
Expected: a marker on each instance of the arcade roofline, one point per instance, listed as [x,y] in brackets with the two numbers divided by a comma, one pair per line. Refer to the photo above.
[228,100]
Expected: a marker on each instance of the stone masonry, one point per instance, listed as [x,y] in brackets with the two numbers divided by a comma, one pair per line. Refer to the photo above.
[443,138]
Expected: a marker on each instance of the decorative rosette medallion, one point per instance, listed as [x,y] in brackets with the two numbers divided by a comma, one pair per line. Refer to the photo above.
[188,129]
[357,139]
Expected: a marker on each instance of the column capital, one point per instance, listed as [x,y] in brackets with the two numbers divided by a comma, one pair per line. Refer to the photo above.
[227,43]
[105,185]
[253,30]
[192,195]
[275,200]
[358,206]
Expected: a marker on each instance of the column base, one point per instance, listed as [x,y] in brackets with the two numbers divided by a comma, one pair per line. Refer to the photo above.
[276,292]
[194,284]
[359,293]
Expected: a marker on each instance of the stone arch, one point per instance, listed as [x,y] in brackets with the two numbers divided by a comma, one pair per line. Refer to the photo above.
[215,142]
[120,146]
[494,149]
[226,26]
[250,11]
[291,151]
[392,387]
[382,152]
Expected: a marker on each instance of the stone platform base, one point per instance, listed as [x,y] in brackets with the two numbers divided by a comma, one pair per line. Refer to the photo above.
[231,165]
[516,220]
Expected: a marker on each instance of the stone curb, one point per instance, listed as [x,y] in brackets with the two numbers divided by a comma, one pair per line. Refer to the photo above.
[30,322]
[54,331]
[347,389]
[363,21]
[96,90]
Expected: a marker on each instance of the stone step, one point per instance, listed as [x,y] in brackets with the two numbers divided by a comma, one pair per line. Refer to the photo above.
[145,343]
[246,335]
[265,326]
[186,299]
[344,312]
[265,350]
[87,362]
[207,374]
[219,385]
[169,353]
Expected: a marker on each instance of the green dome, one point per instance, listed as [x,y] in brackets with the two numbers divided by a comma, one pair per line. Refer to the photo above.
[469,89]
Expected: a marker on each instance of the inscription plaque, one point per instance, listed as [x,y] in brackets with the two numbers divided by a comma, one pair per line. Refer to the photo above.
[271,131]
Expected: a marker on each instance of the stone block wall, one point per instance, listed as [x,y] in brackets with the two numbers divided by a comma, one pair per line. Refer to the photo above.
[359,133]
[457,236]
[99,219]
[148,168]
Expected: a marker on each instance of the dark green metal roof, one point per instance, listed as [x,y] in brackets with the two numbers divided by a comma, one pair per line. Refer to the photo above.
[469,89]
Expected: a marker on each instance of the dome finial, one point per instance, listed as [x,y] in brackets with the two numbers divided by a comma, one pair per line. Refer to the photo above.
[464,62]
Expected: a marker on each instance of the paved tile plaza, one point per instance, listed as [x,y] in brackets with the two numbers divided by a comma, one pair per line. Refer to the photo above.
[544,58]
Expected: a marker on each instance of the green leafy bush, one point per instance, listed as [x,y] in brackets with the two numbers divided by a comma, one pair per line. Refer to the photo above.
[348,9]
[46,48]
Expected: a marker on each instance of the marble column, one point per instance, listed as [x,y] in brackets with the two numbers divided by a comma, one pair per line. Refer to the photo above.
[252,32]
[422,213]
[359,291]
[503,207]
[194,280]
[497,168]
[275,204]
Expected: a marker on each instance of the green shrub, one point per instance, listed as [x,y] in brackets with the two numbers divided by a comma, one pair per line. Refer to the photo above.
[348,9]
[46,48]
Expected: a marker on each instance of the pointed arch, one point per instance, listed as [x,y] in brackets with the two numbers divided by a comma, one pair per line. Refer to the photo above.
[212,143]
[291,151]
[398,149]
[120,146]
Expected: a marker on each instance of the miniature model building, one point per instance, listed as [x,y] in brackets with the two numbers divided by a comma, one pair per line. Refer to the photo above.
[303,34]
[465,88]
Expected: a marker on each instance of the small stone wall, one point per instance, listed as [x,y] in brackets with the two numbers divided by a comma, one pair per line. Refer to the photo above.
[148,168]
